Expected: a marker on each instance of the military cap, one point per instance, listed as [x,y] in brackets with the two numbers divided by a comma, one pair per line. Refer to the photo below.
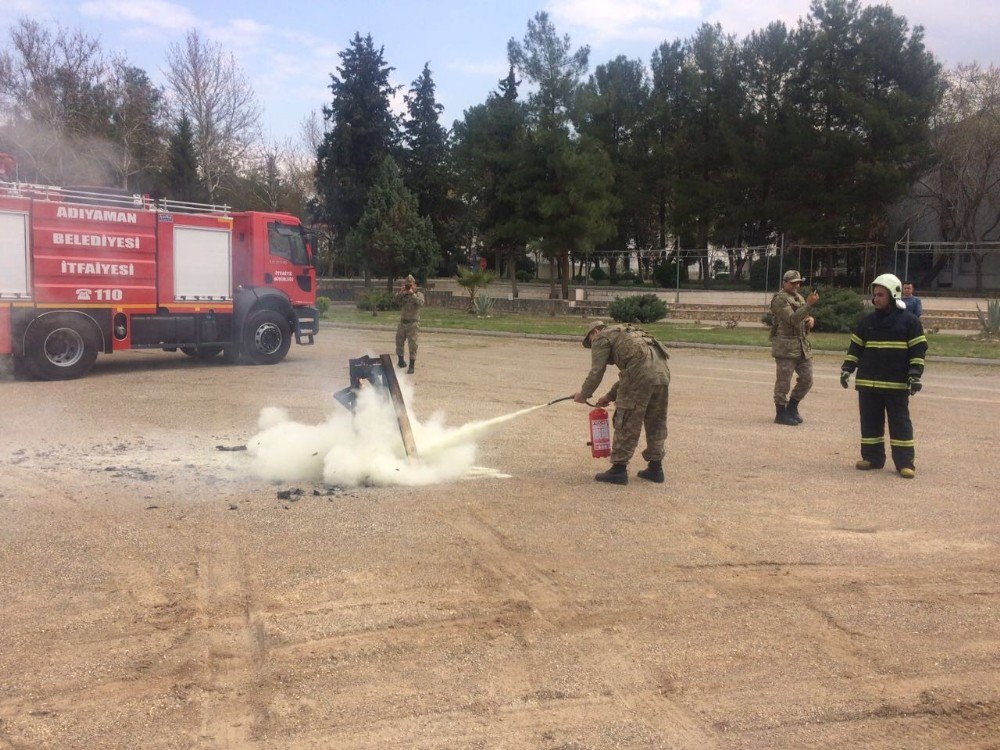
[593,326]
[791,276]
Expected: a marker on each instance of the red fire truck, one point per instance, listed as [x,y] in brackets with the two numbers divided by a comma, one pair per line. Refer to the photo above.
[84,271]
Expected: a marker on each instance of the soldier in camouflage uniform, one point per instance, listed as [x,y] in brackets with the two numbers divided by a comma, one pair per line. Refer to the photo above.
[790,347]
[640,395]
[411,299]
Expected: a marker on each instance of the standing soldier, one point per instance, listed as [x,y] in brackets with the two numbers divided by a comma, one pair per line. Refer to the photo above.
[411,299]
[640,395]
[790,326]
[887,349]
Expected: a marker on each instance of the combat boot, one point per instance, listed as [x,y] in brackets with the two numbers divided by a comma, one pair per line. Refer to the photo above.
[409,369]
[400,363]
[617,474]
[907,472]
[653,472]
[781,416]
[793,410]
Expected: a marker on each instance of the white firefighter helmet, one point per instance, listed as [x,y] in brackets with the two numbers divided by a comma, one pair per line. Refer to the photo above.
[893,285]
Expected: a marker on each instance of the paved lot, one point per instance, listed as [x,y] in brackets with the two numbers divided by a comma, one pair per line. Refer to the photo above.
[157,595]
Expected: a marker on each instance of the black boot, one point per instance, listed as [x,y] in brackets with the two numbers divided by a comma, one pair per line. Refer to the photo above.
[617,474]
[409,369]
[653,472]
[400,363]
[793,410]
[781,416]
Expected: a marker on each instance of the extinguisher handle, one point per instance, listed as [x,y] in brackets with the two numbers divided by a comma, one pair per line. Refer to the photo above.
[567,398]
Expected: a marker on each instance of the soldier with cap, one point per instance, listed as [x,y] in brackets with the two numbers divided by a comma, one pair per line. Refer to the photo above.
[640,395]
[411,299]
[790,347]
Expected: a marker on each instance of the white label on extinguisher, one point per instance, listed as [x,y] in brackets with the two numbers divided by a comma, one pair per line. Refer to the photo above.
[600,434]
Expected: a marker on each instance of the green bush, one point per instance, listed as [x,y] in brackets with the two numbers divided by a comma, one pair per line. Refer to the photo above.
[323,305]
[838,310]
[524,276]
[641,308]
[598,274]
[484,305]
[665,274]
[628,276]
[989,319]
[376,300]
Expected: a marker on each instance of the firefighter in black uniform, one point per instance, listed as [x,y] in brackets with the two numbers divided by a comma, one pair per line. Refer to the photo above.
[887,349]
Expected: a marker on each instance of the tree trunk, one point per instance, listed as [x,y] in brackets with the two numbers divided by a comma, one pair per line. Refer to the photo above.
[564,282]
[552,277]
[512,273]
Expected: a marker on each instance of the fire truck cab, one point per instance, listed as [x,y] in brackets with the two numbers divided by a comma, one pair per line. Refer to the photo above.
[84,271]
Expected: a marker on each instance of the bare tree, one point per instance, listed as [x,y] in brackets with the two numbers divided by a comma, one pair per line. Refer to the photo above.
[208,84]
[53,100]
[138,125]
[963,189]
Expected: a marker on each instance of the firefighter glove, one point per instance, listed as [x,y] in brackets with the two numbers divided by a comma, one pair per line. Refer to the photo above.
[915,385]
[845,377]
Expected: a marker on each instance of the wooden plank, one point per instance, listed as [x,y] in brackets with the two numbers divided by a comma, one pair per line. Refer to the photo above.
[400,406]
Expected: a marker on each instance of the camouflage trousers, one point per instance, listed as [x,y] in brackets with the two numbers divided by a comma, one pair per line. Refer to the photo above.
[783,381]
[407,332]
[648,409]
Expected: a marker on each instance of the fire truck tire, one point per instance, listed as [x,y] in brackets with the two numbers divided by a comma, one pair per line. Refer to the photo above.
[61,347]
[202,353]
[266,337]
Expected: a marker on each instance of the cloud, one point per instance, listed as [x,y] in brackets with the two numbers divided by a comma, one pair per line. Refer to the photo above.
[159,14]
[948,34]
[496,68]
[241,32]
[626,18]
[741,18]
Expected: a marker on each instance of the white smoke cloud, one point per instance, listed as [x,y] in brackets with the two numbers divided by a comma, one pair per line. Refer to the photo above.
[366,449]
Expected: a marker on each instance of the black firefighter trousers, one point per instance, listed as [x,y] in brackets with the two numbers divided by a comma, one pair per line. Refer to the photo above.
[875,405]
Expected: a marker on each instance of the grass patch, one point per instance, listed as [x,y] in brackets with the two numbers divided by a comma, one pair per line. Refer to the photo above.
[747,334]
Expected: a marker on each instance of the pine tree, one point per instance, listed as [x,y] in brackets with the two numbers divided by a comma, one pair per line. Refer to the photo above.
[392,238]
[861,102]
[426,164]
[613,109]
[490,160]
[361,133]
[568,180]
[181,181]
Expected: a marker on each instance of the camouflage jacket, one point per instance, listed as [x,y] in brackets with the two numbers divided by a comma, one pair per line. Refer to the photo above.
[410,304]
[789,338]
[640,358]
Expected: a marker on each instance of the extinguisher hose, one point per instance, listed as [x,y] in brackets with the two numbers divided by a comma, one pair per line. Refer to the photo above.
[566,398]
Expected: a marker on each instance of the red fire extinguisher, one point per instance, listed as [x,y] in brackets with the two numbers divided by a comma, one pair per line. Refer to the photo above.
[600,433]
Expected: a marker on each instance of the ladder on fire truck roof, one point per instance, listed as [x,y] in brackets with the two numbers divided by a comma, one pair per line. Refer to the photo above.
[108,197]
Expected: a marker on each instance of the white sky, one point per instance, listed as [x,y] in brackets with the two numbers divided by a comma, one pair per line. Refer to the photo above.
[289,49]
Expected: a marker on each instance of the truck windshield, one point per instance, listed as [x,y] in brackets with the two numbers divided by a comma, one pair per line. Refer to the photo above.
[286,241]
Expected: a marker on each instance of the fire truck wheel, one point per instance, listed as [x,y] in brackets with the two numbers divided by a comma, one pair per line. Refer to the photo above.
[61,347]
[266,337]
[203,353]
